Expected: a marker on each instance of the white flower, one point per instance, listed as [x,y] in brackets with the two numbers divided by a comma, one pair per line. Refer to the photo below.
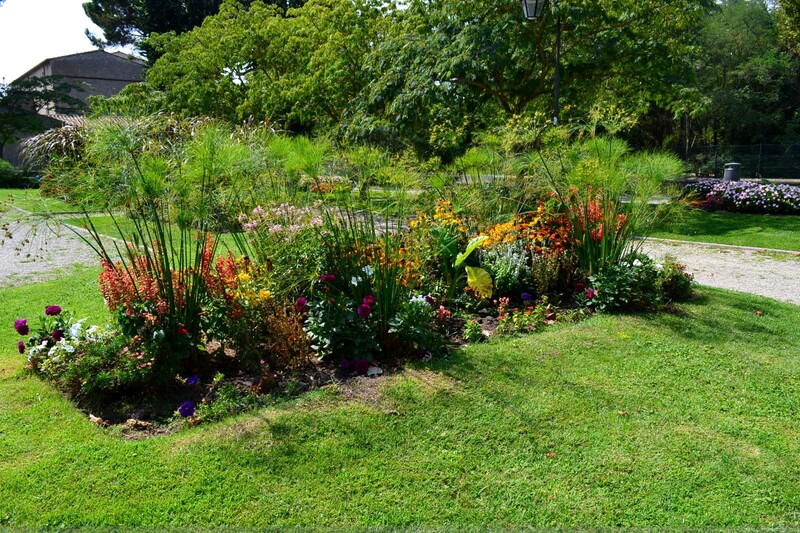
[637,263]
[368,270]
[355,280]
[75,329]
[419,299]
[658,266]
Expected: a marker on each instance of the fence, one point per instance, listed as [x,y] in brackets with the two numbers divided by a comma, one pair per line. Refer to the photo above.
[768,161]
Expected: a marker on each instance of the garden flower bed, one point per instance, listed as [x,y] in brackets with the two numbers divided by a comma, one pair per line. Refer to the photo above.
[315,288]
[747,197]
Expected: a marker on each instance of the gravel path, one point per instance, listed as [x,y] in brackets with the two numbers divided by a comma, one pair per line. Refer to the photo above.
[38,251]
[771,273]
[32,252]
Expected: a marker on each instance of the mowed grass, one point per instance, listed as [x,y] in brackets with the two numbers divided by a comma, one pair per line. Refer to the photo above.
[676,420]
[760,231]
[32,201]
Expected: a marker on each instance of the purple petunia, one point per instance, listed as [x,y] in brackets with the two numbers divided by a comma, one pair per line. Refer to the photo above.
[186,409]
[192,381]
[526,297]
[52,310]
[21,326]
[21,346]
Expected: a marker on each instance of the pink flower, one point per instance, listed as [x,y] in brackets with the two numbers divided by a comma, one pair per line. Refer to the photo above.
[327,278]
[301,305]
[364,311]
[590,293]
[368,300]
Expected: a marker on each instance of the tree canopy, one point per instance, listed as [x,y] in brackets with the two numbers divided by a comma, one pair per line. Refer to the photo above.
[21,102]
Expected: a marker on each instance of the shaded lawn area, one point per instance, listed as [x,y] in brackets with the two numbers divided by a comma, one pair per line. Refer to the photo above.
[760,231]
[674,420]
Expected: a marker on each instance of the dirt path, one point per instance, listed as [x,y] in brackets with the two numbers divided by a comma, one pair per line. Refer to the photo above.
[771,273]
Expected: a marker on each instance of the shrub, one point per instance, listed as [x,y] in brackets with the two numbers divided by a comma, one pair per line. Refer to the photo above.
[509,264]
[674,283]
[627,285]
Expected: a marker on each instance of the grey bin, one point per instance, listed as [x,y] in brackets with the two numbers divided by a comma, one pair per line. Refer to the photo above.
[733,172]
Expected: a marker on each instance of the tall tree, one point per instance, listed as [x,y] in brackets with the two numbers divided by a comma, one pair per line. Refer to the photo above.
[131,22]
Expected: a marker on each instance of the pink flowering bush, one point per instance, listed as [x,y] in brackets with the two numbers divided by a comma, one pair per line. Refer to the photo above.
[747,197]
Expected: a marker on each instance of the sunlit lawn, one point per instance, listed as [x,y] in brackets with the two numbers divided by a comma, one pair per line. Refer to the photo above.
[675,420]
[760,231]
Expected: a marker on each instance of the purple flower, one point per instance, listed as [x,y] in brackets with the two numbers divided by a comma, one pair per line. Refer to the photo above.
[21,346]
[590,293]
[430,300]
[327,278]
[526,297]
[368,300]
[186,409]
[57,334]
[52,310]
[21,326]
[192,381]
[344,364]
[364,311]
[301,305]
[361,366]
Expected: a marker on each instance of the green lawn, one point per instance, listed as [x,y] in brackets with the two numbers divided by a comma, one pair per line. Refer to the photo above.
[760,231]
[30,200]
[672,420]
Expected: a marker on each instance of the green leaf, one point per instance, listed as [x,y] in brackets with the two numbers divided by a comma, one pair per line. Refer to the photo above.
[480,282]
[474,243]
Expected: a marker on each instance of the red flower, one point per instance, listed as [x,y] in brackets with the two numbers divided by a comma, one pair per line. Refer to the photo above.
[182,330]
[590,293]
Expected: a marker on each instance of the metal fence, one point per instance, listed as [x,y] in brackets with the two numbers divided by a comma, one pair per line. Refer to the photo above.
[768,161]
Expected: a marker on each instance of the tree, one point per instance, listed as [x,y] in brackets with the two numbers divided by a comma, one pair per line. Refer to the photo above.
[22,101]
[301,68]
[131,22]
[468,63]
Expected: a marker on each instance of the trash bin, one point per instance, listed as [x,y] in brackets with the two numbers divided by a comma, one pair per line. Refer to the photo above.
[733,172]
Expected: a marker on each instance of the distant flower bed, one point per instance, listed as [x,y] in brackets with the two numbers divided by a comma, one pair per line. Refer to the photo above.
[747,197]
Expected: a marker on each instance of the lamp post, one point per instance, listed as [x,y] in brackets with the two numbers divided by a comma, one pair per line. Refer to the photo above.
[533,11]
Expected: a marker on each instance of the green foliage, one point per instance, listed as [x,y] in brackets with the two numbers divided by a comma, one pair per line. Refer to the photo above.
[22,100]
[473,333]
[509,264]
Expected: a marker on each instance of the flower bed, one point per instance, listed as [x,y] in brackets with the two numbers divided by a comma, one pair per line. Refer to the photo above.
[747,197]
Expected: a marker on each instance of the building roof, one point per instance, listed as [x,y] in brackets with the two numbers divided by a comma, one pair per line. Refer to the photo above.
[118,55]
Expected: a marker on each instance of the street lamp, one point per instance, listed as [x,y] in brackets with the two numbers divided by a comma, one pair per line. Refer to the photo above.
[532,10]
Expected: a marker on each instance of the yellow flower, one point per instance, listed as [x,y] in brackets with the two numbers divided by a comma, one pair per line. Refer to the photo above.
[244,277]
[264,294]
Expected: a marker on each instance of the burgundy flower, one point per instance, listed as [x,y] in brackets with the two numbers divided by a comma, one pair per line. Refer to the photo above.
[364,311]
[579,286]
[52,310]
[327,278]
[368,300]
[345,364]
[301,305]
[590,293]
[57,334]
[361,366]
[21,326]
[430,300]
[21,346]
[186,409]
